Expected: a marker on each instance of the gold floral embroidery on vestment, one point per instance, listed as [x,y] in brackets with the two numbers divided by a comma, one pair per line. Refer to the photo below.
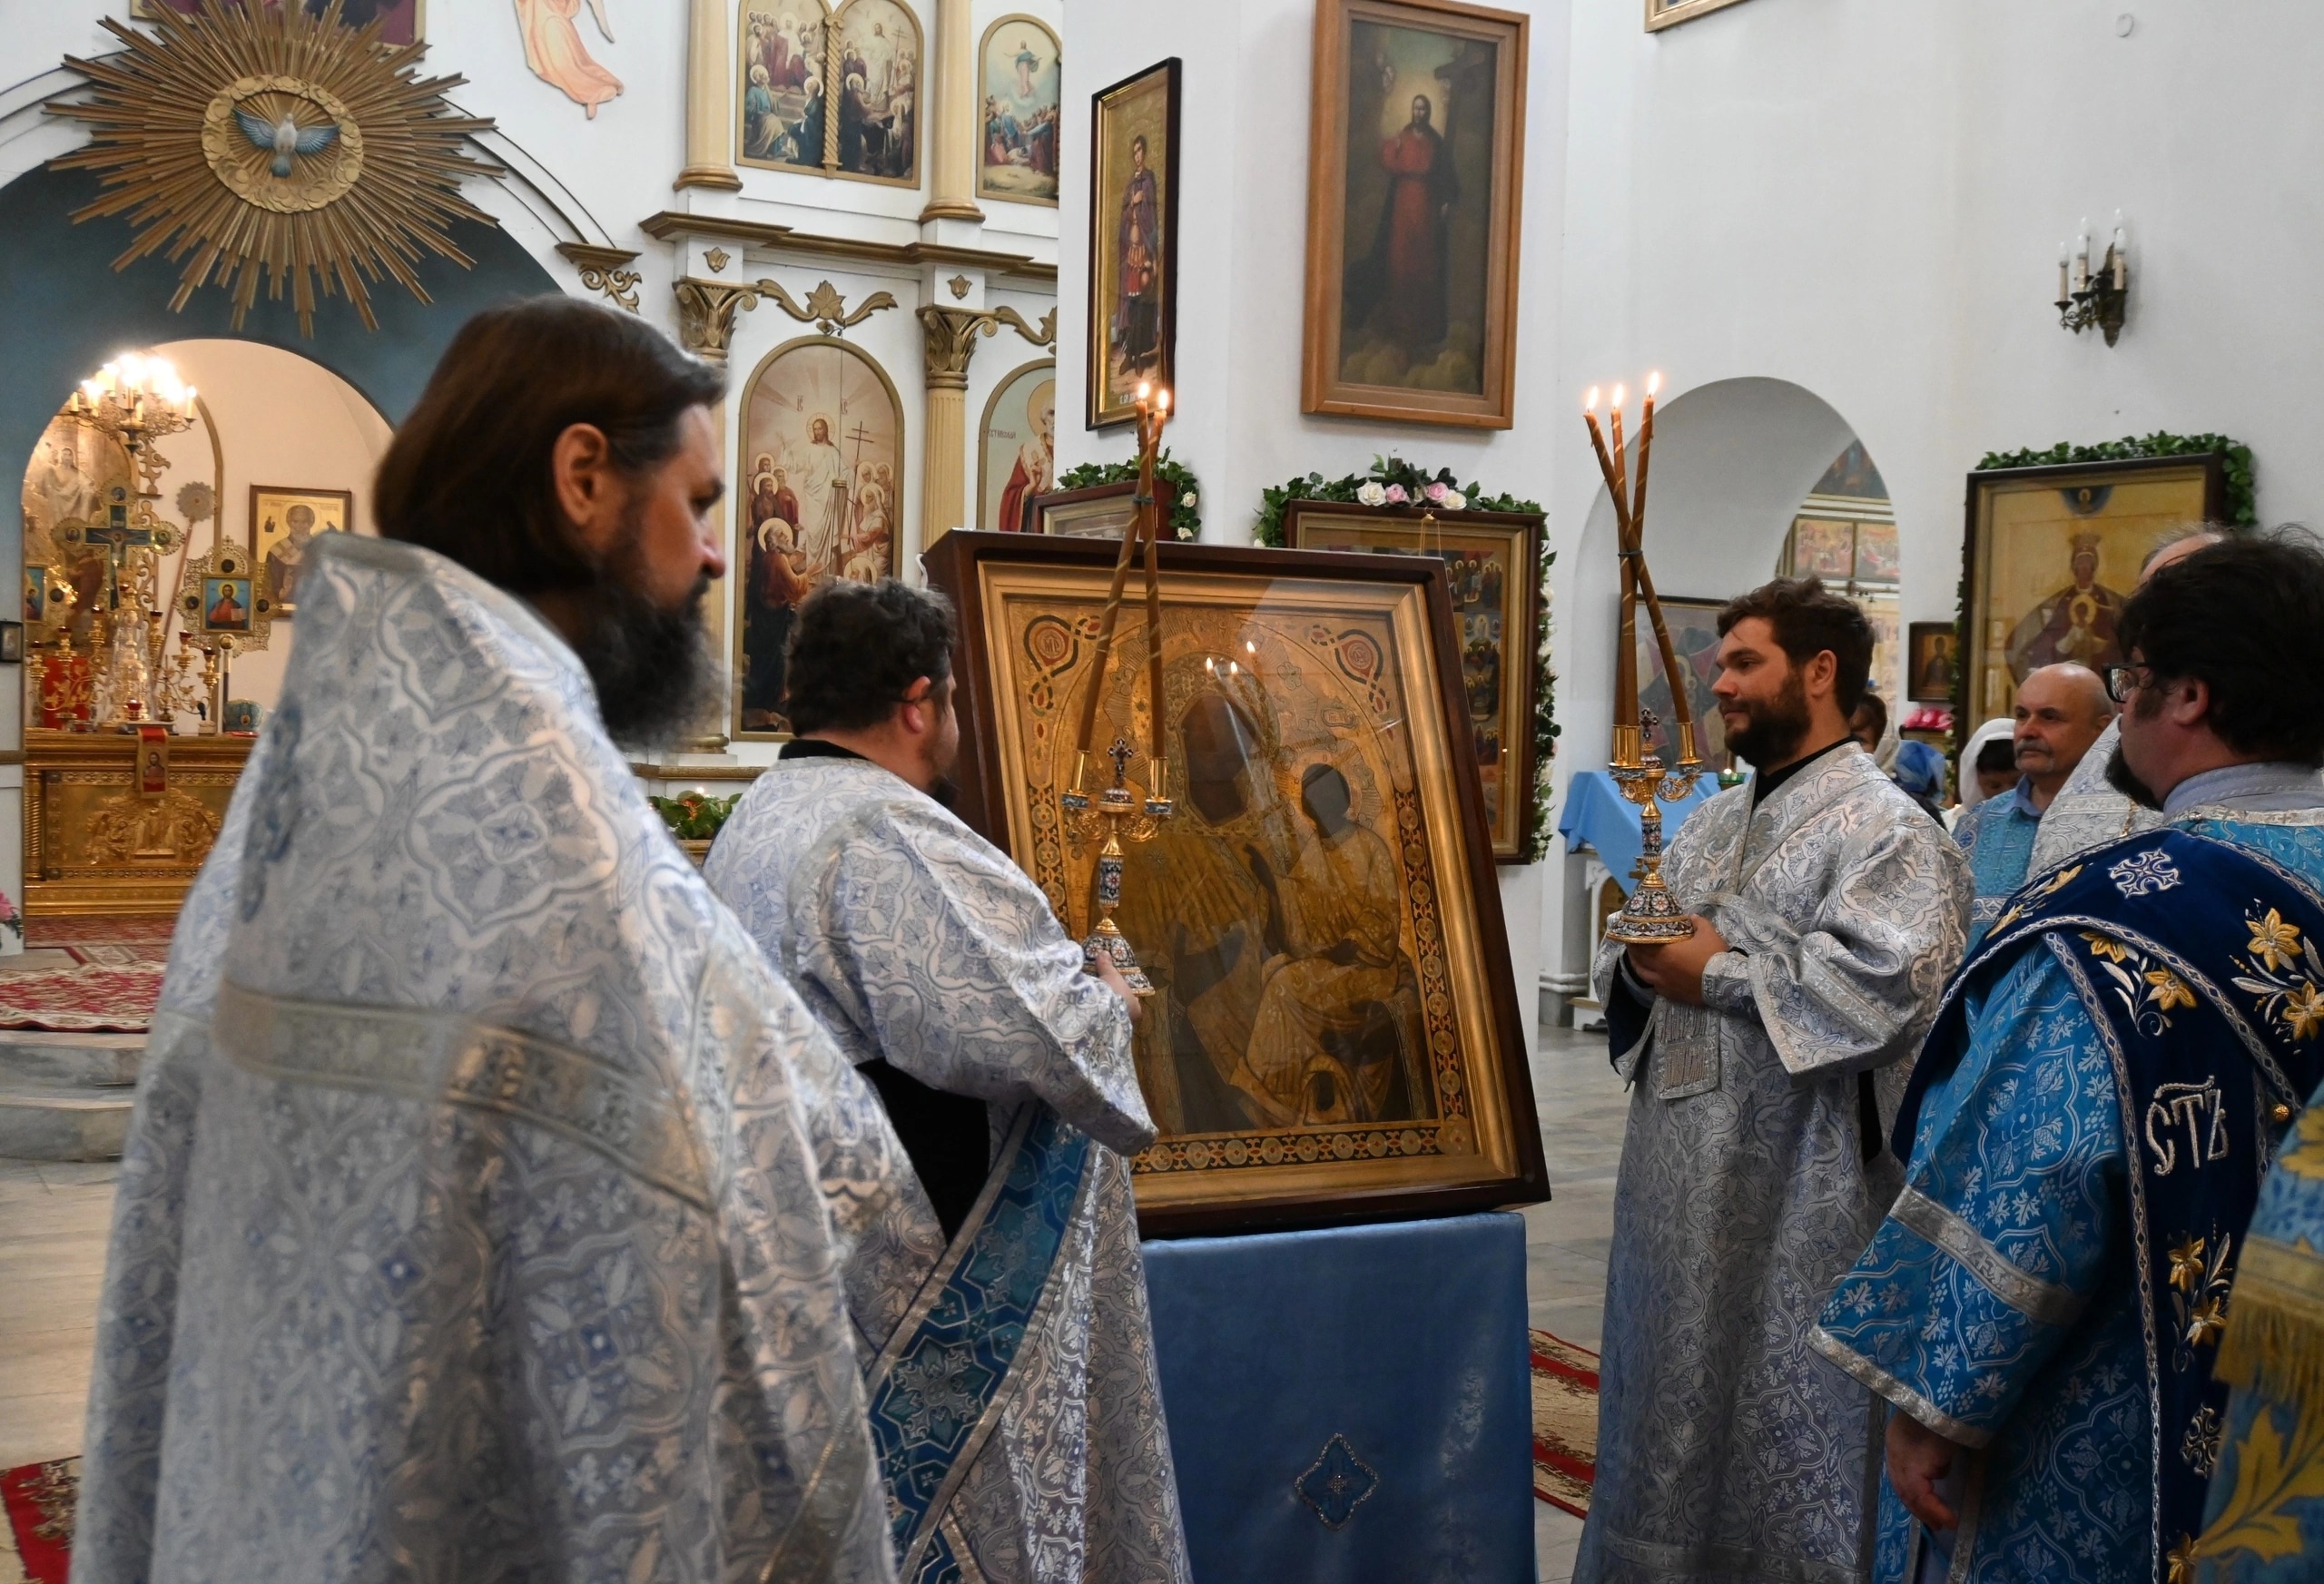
[2285,996]
[2048,888]
[2274,942]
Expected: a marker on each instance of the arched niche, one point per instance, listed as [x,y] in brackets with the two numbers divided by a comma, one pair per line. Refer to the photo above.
[70,310]
[1732,462]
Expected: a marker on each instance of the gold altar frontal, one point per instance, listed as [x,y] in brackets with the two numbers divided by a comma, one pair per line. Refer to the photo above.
[94,844]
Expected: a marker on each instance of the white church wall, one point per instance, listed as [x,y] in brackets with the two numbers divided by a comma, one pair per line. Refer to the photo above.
[1242,272]
[1865,201]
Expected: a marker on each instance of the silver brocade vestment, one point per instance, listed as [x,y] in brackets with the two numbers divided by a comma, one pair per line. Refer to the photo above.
[2088,811]
[918,941]
[1727,1449]
[486,1205]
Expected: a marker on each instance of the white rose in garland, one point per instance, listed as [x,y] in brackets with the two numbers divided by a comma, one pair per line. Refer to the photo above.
[1372,494]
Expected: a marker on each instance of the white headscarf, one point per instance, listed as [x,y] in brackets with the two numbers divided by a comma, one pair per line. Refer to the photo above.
[1991,731]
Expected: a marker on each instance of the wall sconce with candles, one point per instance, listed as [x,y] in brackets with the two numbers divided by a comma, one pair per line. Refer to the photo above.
[2087,297]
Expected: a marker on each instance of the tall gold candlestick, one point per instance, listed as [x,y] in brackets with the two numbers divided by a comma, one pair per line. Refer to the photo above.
[1116,810]
[1649,915]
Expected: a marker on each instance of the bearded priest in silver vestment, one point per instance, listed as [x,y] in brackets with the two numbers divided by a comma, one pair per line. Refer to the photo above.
[1764,1052]
[1007,1070]
[488,1202]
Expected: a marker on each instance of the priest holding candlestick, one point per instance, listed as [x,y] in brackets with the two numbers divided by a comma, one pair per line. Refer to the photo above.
[1763,1008]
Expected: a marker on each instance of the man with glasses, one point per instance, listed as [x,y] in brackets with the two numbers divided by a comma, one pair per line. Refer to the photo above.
[2088,811]
[2090,1117]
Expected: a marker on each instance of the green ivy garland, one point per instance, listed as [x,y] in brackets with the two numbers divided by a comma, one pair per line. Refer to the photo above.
[2242,510]
[2242,499]
[1186,518]
[1392,481]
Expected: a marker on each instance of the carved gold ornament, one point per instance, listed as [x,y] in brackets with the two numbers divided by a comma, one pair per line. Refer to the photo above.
[263,138]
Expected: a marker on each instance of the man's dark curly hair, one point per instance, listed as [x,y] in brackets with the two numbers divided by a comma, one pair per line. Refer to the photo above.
[1809,619]
[2239,616]
[859,647]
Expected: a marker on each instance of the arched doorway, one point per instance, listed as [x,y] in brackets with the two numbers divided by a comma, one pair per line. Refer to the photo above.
[1737,464]
[71,311]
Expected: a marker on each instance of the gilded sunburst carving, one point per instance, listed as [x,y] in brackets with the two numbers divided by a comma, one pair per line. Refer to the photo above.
[265,142]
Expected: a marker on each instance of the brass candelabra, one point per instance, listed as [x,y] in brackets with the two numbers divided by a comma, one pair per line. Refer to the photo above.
[1118,811]
[1650,916]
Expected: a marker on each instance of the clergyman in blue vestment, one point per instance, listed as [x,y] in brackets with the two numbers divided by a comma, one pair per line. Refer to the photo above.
[2091,1120]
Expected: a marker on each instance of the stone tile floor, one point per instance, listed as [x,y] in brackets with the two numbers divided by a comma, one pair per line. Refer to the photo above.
[54,1220]
[1583,1110]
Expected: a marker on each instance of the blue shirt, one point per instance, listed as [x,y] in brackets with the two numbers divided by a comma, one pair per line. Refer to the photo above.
[1998,836]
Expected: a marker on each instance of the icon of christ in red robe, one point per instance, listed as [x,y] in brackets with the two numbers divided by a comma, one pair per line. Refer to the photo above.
[1406,270]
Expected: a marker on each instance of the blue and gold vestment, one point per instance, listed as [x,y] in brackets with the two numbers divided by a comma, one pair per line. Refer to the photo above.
[2088,1127]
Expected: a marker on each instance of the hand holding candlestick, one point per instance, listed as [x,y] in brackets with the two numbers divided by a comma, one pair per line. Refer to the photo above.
[1649,915]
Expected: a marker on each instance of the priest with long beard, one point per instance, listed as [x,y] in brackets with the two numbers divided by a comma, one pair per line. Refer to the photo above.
[488,1206]
[1765,1050]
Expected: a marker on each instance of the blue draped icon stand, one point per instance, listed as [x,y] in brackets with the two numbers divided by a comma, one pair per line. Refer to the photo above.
[1598,815]
[1350,1406]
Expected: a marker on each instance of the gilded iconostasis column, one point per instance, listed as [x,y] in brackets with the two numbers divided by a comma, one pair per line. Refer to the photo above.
[952,192]
[706,311]
[708,95]
[951,335]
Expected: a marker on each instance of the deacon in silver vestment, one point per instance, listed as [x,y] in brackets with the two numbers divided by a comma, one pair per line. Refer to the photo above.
[2088,811]
[943,972]
[488,1200]
[1765,1052]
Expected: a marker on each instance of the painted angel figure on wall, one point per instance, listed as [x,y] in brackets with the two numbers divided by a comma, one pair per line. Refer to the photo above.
[554,52]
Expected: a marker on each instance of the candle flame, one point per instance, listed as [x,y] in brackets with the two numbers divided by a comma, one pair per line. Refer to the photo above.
[1654,382]
[1142,389]
[1249,648]
[1162,399]
[1589,402]
[1618,398]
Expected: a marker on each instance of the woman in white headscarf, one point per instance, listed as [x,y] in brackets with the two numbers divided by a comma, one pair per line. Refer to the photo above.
[1998,729]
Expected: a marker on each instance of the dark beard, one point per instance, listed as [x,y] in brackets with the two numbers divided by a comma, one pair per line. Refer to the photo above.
[657,682]
[1777,731]
[2119,777]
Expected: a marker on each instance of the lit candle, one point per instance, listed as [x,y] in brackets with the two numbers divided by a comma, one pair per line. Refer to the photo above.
[1622,462]
[1162,399]
[189,404]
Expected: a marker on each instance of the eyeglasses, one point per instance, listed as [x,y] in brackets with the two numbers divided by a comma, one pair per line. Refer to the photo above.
[2121,680]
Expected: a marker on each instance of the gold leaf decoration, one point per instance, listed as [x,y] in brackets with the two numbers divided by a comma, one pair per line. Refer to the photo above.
[266,140]
[2273,1480]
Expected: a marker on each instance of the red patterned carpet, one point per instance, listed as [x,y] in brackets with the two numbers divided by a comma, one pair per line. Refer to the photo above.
[38,1500]
[70,932]
[87,999]
[1565,1423]
[112,988]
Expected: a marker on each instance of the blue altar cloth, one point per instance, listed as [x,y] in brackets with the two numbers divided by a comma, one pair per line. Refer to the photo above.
[1596,811]
[1375,1376]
